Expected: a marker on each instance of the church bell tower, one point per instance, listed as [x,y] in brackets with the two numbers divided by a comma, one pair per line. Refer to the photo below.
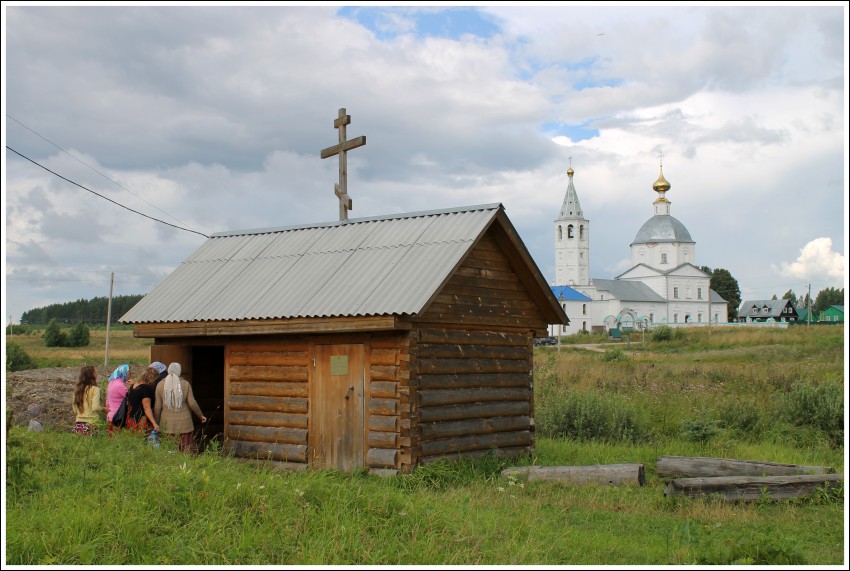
[572,241]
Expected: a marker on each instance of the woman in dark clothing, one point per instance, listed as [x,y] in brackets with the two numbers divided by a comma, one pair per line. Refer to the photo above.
[140,403]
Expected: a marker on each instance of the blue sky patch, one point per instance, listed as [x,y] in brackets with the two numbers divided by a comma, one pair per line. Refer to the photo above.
[451,23]
[576,133]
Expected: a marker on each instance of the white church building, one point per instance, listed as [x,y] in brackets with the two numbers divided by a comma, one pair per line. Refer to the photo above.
[663,287]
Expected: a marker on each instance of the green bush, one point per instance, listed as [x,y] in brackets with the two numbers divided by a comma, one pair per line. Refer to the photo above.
[17,359]
[744,417]
[612,355]
[54,336]
[79,336]
[590,416]
[662,333]
[700,429]
[819,405]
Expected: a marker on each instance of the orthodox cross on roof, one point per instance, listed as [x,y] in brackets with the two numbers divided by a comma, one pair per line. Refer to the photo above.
[341,189]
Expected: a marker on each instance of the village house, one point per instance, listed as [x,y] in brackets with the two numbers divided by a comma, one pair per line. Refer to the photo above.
[379,343]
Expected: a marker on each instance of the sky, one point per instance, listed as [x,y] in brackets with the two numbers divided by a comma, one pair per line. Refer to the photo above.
[185,120]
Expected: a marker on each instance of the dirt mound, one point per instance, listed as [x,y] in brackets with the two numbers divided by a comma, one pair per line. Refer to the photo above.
[52,388]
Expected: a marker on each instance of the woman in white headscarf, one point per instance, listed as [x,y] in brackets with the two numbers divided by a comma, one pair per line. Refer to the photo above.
[174,401]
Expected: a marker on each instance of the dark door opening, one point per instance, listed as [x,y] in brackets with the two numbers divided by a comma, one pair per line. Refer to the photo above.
[208,388]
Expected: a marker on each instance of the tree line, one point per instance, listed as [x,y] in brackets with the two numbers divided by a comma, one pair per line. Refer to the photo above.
[825,298]
[89,311]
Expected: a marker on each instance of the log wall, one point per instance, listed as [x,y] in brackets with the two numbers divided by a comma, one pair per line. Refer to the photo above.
[474,393]
[266,399]
[388,423]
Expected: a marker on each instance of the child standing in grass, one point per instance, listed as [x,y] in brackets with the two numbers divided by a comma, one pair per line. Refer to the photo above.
[87,402]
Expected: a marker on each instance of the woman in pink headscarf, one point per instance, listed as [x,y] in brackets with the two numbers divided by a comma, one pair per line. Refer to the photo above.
[119,384]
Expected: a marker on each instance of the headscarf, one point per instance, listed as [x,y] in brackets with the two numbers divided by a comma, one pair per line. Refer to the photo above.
[160,368]
[34,410]
[122,372]
[173,391]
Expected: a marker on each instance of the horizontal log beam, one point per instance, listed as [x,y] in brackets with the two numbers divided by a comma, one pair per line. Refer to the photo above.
[611,474]
[267,373]
[462,366]
[383,389]
[509,452]
[461,396]
[462,337]
[268,404]
[283,344]
[382,458]
[383,423]
[278,389]
[752,488]
[279,358]
[457,351]
[697,466]
[449,429]
[268,326]
[383,372]
[477,442]
[385,407]
[267,451]
[476,410]
[474,380]
[274,434]
[383,439]
[383,356]
[259,418]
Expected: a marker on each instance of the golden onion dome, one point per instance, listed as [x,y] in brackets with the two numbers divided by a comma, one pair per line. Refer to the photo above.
[570,171]
[661,185]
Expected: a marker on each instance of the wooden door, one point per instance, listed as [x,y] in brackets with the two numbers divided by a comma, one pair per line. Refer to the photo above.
[337,436]
[168,354]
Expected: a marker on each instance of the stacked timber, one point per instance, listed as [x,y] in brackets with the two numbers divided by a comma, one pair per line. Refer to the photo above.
[267,401]
[474,393]
[388,427]
[742,480]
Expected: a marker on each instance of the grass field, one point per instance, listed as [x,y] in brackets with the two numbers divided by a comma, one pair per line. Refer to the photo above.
[770,395]
[123,348]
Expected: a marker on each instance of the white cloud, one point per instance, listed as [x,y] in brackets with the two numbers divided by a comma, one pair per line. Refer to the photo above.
[816,260]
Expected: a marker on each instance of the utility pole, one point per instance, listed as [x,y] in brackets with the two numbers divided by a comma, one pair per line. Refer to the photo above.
[108,319]
[809,300]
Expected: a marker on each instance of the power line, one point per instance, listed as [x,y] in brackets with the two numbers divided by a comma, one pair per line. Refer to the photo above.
[104,197]
[30,129]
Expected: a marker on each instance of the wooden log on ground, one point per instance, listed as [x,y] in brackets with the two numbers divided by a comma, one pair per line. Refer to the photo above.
[700,467]
[741,488]
[611,474]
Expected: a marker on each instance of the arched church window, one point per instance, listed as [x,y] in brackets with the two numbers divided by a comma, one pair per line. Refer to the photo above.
[675,318]
[664,258]
[560,233]
[570,231]
[584,309]
[581,232]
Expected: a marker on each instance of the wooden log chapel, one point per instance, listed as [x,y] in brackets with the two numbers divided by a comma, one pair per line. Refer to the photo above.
[377,343]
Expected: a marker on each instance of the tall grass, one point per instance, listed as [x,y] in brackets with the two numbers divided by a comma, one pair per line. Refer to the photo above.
[74,500]
[766,395]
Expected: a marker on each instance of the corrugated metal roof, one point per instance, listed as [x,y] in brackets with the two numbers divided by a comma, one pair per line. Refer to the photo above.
[566,293]
[625,290]
[359,267]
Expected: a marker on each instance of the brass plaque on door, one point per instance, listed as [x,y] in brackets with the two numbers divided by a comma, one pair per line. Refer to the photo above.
[339,364]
